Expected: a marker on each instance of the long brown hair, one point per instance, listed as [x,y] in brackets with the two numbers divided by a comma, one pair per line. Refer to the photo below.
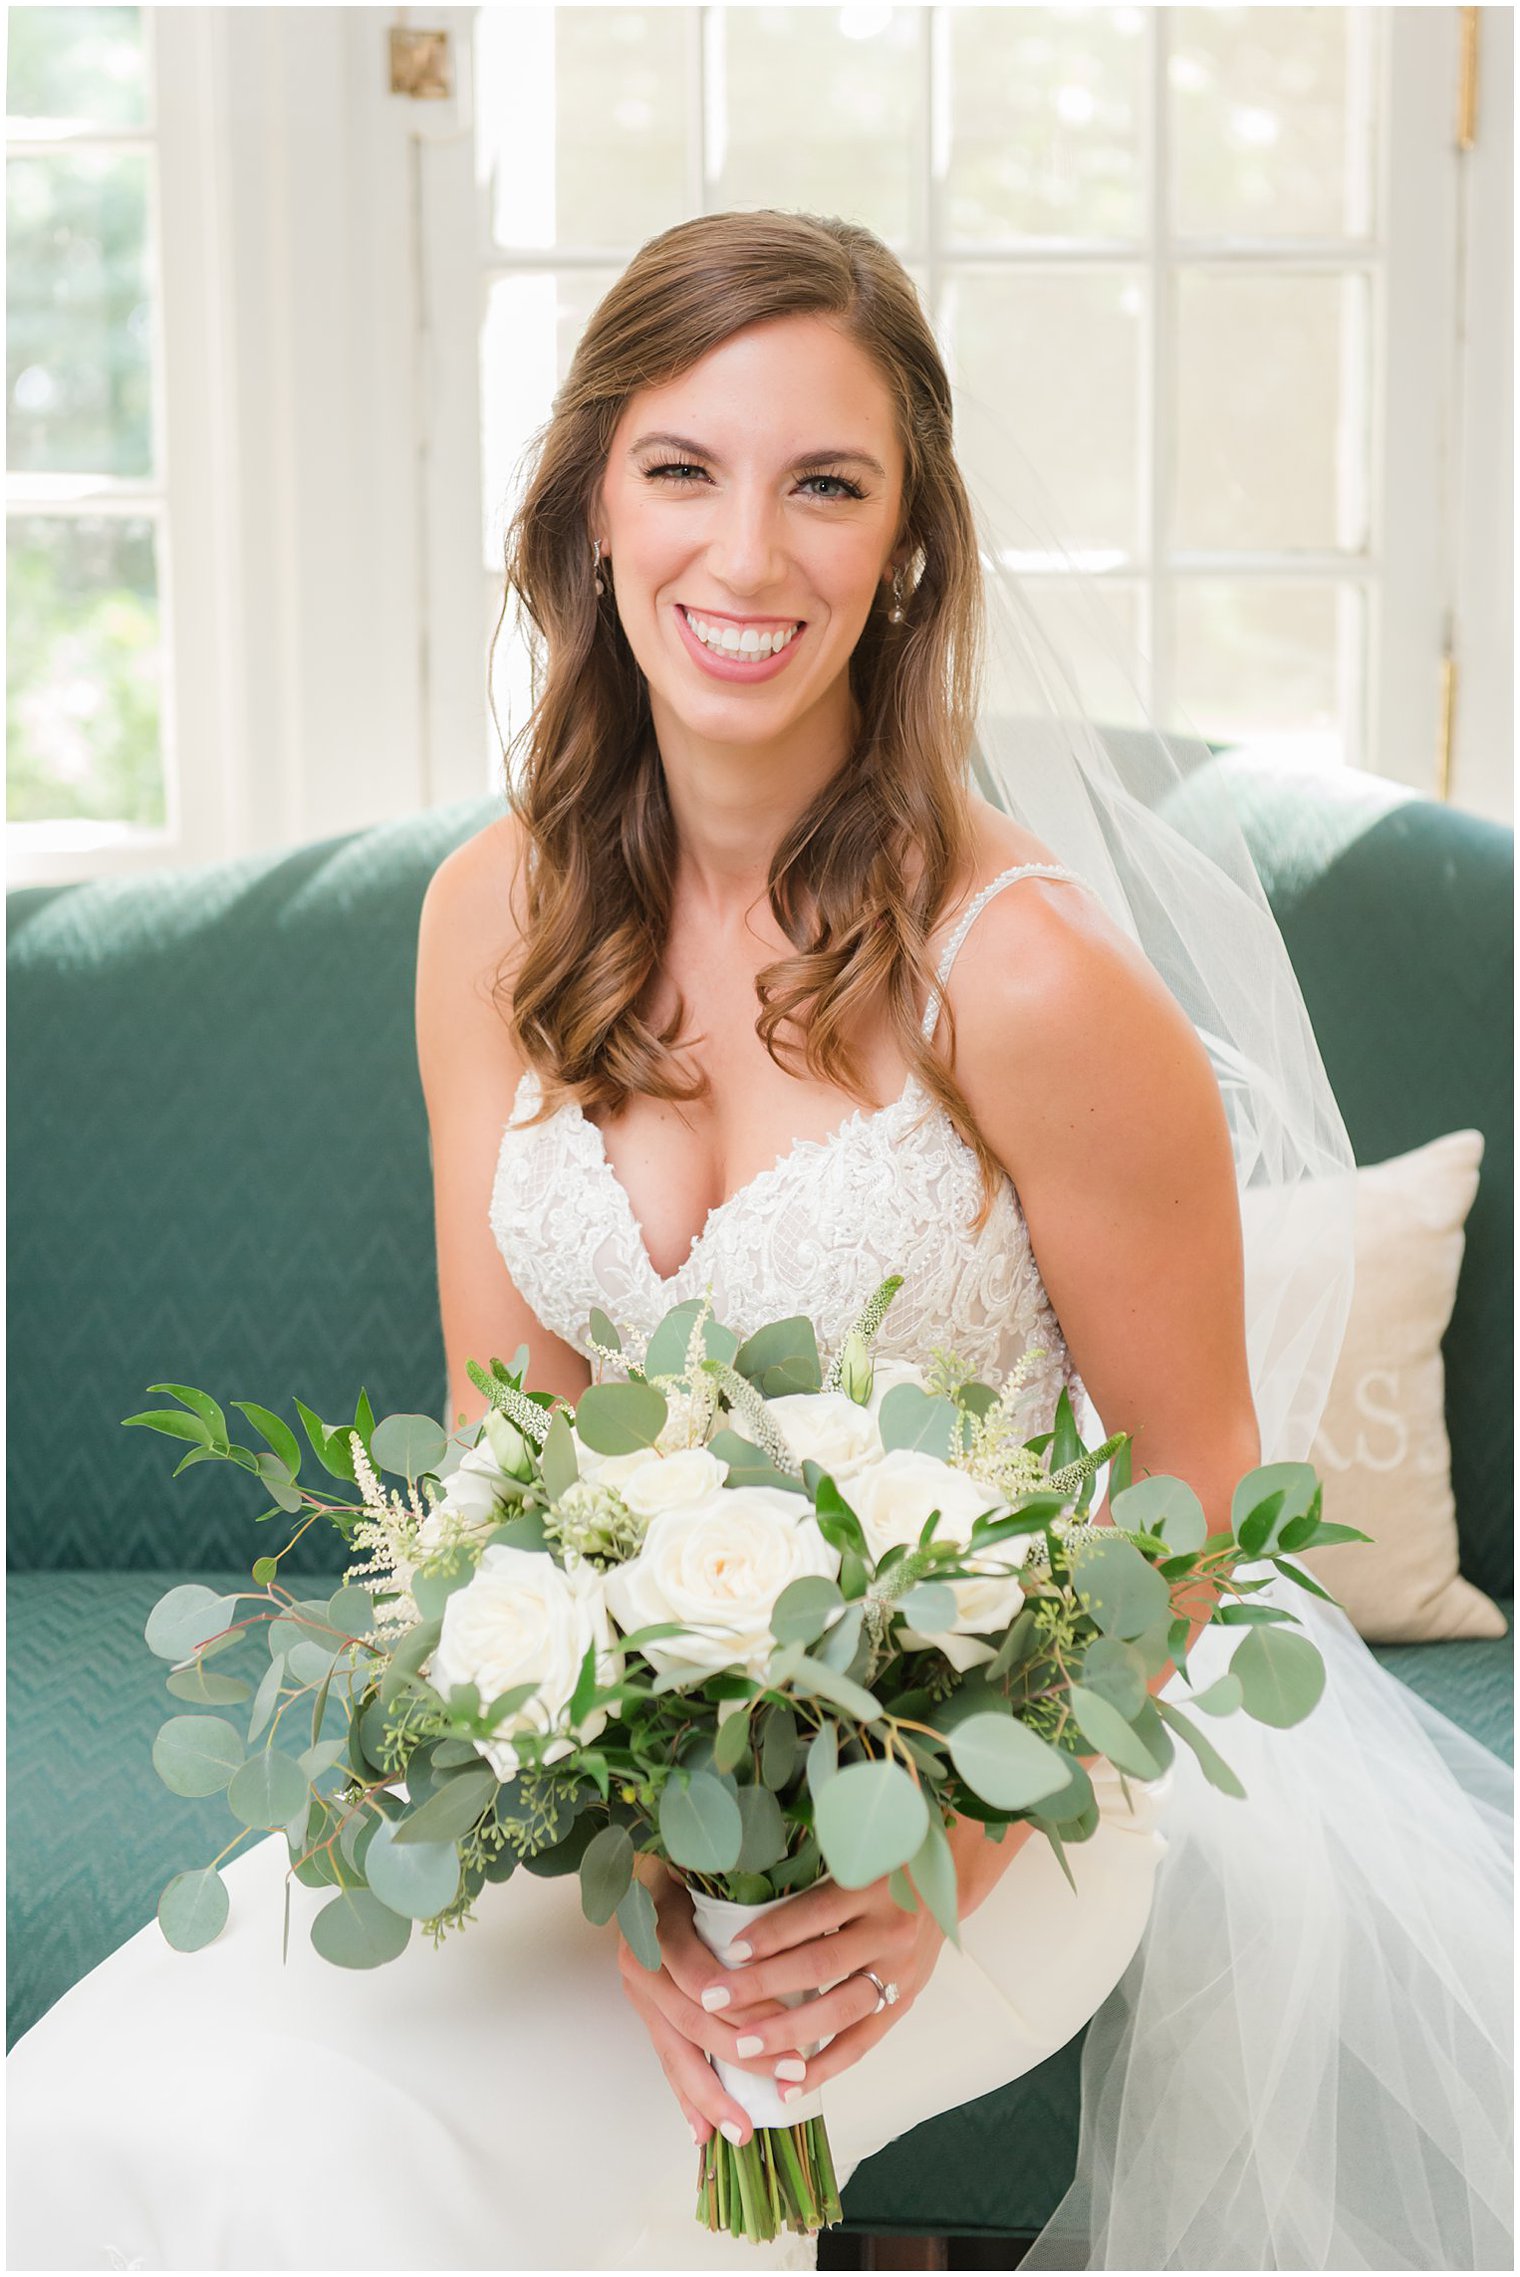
[589,787]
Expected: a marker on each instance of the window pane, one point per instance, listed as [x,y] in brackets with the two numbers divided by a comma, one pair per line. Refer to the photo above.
[1272,120]
[1045,123]
[1258,658]
[82,674]
[532,324]
[1272,410]
[81,64]
[582,122]
[818,108]
[1054,356]
[79,337]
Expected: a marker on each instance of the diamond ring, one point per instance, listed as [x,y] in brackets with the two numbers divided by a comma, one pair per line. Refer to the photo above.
[886,1994]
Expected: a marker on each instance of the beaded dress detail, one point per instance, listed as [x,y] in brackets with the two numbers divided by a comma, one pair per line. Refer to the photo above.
[891,1189]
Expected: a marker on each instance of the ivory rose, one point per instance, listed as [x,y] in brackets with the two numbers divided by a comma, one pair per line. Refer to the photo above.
[893,1501]
[828,1428]
[522,1619]
[719,1564]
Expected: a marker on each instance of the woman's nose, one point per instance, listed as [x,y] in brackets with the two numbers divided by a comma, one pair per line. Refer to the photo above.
[745,547]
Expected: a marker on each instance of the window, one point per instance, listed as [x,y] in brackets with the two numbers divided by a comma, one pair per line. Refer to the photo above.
[86,716]
[1155,235]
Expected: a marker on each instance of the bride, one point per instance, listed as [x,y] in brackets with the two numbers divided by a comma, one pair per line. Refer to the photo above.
[749,990]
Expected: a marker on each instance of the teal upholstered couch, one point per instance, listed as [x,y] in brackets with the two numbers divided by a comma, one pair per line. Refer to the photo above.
[219,1175]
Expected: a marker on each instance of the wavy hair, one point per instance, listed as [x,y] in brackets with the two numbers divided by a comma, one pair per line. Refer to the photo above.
[584,776]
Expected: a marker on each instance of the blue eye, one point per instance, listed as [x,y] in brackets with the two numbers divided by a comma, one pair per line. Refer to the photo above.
[678,468]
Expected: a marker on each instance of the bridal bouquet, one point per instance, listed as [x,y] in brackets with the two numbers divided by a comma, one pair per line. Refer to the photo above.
[764,1619]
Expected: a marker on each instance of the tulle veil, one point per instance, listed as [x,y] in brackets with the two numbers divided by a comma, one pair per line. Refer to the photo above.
[1308,2064]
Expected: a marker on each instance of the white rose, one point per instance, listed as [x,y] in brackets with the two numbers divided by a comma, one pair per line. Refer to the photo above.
[893,1502]
[671,1482]
[719,1564]
[828,1428]
[522,1619]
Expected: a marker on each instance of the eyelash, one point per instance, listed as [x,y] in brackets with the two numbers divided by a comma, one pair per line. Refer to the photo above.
[679,466]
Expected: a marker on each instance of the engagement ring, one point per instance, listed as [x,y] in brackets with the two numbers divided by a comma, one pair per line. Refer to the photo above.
[886,1993]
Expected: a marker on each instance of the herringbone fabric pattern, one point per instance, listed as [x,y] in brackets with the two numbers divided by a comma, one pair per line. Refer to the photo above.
[219,1176]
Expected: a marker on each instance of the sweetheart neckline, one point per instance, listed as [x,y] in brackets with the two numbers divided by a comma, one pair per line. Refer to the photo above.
[858,1119]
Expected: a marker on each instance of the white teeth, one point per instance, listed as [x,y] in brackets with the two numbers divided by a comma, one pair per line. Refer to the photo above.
[728,640]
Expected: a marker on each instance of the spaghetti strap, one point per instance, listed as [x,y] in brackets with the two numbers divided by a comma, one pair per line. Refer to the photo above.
[952,946]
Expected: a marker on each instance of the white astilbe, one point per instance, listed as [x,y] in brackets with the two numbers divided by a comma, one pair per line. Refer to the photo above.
[995,1452]
[391,1531]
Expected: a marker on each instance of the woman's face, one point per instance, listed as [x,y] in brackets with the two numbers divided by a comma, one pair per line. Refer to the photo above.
[758,492]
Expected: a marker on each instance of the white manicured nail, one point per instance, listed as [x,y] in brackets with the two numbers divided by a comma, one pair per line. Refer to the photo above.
[791,2067]
[696,2132]
[716,1996]
[750,2044]
[731,2131]
[741,1952]
[790,2094]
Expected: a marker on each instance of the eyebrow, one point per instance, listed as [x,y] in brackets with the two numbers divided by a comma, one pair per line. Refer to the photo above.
[808,458]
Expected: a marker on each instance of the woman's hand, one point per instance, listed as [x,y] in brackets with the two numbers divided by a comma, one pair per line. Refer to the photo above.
[824,1933]
[670,2004]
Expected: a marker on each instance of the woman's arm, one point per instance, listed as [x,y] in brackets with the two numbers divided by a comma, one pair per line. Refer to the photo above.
[1094,1091]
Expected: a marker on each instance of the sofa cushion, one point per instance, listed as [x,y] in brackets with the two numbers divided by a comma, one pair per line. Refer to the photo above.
[219,1176]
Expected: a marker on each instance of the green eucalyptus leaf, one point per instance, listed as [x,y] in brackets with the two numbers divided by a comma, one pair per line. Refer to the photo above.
[778,1747]
[1281,1676]
[838,1645]
[602,1331]
[700,1824]
[356,1931]
[1221,1698]
[1124,1594]
[193,1909]
[665,1354]
[197,1755]
[557,1458]
[417,1879]
[637,1919]
[731,1741]
[606,1872]
[1112,1734]
[763,1842]
[780,1358]
[408,1445]
[933,1869]
[869,1818]
[266,1697]
[929,1607]
[801,1612]
[204,1688]
[1116,1671]
[1004,1762]
[911,1417]
[822,1758]
[1214,1767]
[615,1418]
[814,1679]
[184,1618]
[747,1464]
[1165,1506]
[267,1789]
[452,1808]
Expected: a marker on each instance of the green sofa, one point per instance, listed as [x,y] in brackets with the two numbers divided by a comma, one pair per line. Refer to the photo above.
[219,1175]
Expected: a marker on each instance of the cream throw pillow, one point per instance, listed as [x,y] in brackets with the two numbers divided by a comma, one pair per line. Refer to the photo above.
[1382,1449]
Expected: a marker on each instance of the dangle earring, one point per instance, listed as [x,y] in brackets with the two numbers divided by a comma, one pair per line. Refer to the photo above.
[895,613]
[596,559]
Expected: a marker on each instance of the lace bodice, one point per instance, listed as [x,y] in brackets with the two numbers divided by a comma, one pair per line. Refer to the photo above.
[891,1189]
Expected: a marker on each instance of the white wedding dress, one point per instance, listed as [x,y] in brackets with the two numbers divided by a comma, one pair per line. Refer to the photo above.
[495,2103]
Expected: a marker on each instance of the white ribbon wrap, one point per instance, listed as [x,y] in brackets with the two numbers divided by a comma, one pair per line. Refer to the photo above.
[718,1922]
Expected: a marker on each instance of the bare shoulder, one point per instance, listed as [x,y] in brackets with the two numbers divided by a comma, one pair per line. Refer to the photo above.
[473,910]
[1047,982]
